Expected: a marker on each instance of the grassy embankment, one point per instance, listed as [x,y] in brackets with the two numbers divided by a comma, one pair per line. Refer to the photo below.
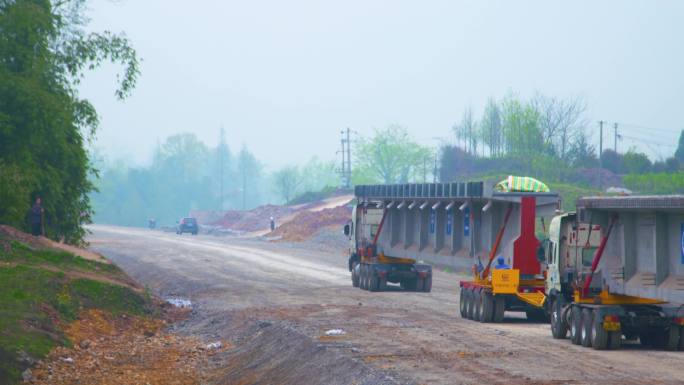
[42,290]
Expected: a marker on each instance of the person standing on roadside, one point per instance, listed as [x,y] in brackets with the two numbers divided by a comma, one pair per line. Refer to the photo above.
[36,215]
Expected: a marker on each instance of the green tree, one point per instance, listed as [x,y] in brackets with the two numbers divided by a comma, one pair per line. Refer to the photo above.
[391,155]
[249,171]
[490,128]
[287,181]
[679,153]
[636,162]
[317,174]
[44,52]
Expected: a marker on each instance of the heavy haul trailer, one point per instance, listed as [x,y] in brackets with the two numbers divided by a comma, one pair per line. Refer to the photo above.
[394,226]
[520,287]
[616,269]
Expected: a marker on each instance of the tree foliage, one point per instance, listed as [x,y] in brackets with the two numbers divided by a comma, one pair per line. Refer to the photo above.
[287,181]
[391,155]
[679,153]
[184,176]
[44,124]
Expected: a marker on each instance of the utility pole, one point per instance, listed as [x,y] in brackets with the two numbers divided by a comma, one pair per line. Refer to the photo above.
[600,155]
[349,174]
[616,136]
[434,172]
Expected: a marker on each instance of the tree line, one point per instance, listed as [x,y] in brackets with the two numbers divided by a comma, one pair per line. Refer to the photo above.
[186,174]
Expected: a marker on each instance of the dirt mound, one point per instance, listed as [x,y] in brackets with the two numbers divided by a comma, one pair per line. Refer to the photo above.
[253,220]
[42,243]
[306,223]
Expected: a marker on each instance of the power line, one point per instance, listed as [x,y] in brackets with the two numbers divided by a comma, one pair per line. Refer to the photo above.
[649,141]
[671,131]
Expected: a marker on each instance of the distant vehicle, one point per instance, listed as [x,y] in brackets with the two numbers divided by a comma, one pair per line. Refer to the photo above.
[187,225]
[152,223]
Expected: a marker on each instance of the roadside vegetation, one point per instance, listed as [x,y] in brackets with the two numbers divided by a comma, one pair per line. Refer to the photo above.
[42,291]
[44,124]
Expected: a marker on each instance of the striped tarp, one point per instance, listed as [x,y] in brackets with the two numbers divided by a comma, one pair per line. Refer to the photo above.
[521,184]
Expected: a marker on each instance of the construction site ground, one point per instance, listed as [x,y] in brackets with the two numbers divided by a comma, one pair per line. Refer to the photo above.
[272,303]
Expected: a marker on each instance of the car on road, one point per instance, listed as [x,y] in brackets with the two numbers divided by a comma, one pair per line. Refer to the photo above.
[187,225]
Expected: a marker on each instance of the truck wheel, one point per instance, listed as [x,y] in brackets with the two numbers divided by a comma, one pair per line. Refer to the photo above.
[599,335]
[487,307]
[373,280]
[587,321]
[354,276]
[419,284]
[576,326]
[477,305]
[681,338]
[382,284]
[615,340]
[427,284]
[672,338]
[362,277]
[462,305]
[559,329]
[471,303]
[499,308]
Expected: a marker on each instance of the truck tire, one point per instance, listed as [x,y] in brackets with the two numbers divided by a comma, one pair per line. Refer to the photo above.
[477,305]
[419,284]
[576,325]
[354,275]
[462,305]
[600,337]
[499,308]
[382,284]
[471,303]
[487,307]
[363,283]
[672,338]
[681,338]
[587,321]
[559,330]
[615,340]
[373,280]
[427,284]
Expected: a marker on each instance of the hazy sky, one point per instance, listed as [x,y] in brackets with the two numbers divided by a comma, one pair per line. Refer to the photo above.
[284,77]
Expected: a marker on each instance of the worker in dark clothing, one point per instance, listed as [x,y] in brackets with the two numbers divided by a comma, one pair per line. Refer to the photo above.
[272,223]
[501,263]
[36,216]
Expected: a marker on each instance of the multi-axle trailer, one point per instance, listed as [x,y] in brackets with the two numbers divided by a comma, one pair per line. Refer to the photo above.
[616,272]
[612,272]
[394,226]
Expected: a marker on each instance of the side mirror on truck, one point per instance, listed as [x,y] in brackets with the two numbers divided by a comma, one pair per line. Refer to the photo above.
[347,229]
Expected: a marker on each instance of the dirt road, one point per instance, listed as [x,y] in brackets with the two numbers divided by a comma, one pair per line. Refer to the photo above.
[274,302]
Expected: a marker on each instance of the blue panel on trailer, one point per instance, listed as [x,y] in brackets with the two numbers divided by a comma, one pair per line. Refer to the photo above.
[449,223]
[433,216]
[466,222]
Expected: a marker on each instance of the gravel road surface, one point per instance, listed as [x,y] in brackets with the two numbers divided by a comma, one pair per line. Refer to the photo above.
[274,302]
